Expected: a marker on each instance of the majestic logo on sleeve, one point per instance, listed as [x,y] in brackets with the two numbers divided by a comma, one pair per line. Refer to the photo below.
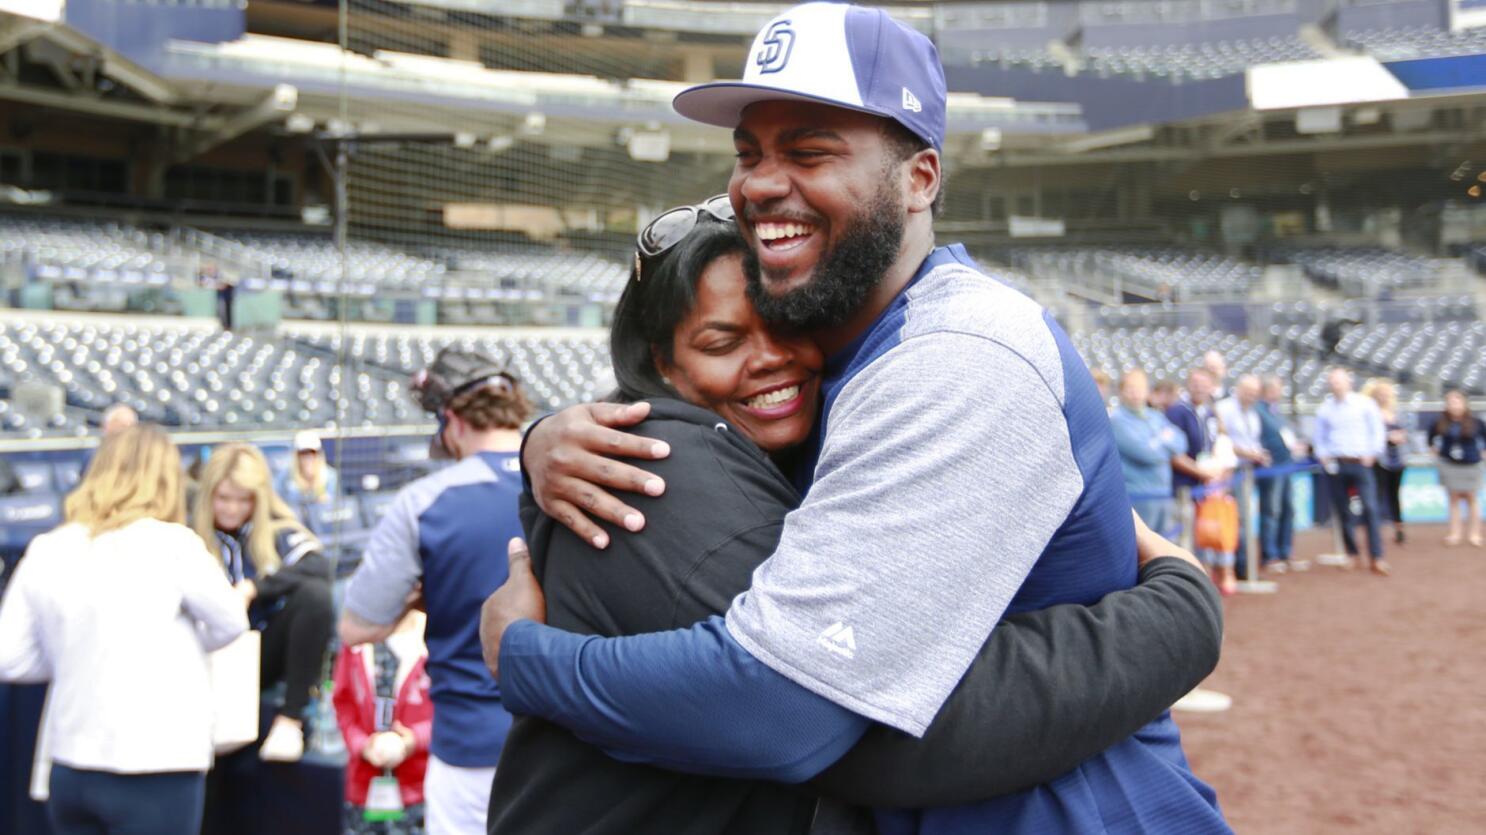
[775,48]
[838,638]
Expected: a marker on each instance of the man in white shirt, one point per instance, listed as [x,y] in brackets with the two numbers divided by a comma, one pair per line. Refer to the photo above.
[1239,415]
[1348,438]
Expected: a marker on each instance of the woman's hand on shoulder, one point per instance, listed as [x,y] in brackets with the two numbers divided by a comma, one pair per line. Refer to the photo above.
[1150,545]
[572,460]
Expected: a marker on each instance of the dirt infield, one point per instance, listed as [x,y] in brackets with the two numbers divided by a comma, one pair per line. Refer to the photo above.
[1359,702]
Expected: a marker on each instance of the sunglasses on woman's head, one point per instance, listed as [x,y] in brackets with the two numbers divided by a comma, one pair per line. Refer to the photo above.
[672,226]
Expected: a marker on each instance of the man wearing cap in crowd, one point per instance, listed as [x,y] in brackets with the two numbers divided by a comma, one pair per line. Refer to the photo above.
[444,533]
[965,469]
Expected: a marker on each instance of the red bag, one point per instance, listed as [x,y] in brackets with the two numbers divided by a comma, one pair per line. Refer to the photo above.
[1217,524]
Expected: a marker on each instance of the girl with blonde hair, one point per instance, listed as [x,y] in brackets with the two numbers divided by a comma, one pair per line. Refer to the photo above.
[284,581]
[1388,469]
[118,608]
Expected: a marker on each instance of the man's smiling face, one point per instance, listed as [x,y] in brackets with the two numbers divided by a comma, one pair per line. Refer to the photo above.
[818,192]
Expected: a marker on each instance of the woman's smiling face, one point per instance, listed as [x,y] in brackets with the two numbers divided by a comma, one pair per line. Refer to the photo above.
[726,358]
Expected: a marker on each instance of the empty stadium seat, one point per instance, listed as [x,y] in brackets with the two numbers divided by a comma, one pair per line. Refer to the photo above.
[35,476]
[374,506]
[24,516]
[67,474]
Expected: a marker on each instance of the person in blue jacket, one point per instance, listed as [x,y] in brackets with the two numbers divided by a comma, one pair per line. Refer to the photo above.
[1148,443]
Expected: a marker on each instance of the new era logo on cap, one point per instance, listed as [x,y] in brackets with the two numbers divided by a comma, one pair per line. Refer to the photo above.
[836,54]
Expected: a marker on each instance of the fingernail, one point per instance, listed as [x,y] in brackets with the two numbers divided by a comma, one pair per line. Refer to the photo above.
[601,542]
[654,487]
[661,449]
[634,521]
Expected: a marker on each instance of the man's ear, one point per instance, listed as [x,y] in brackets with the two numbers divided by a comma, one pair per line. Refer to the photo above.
[924,180]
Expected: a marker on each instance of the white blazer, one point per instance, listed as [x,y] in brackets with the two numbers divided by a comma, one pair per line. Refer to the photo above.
[120,625]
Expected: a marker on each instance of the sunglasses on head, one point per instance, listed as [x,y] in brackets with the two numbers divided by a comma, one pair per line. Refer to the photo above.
[672,226]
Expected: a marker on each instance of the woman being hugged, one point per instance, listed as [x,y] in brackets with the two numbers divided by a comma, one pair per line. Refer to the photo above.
[117,608]
[284,581]
[1459,439]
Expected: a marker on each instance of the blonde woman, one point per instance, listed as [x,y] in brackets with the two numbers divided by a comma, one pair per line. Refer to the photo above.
[309,479]
[1389,467]
[117,608]
[284,581]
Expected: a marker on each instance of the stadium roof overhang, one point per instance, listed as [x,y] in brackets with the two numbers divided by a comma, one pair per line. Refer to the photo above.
[87,77]
[1448,119]
[394,94]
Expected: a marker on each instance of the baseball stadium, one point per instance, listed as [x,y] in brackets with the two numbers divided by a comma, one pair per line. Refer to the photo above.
[357,356]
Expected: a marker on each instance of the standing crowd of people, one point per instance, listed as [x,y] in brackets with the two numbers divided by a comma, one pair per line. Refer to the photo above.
[1194,441]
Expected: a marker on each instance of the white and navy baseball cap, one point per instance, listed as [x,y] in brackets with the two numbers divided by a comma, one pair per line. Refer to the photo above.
[836,54]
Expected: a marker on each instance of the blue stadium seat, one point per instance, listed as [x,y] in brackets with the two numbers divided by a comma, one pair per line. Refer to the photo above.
[68,474]
[374,506]
[25,515]
[35,476]
[323,519]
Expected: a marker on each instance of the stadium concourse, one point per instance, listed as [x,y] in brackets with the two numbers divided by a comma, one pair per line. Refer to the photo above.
[253,222]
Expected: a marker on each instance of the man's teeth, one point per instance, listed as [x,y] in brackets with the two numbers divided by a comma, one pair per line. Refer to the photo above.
[775,231]
[773,398]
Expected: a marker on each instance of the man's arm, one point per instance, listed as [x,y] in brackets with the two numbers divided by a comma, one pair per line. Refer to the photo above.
[1049,690]
[926,515]
[688,700]
[380,591]
[693,700]
[1135,447]
[1321,433]
[1174,439]
[1185,465]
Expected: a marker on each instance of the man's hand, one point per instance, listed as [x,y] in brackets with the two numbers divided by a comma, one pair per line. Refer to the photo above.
[1149,545]
[248,590]
[519,598]
[573,455]
[1368,461]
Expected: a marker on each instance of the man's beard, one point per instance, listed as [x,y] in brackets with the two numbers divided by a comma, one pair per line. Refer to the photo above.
[842,278]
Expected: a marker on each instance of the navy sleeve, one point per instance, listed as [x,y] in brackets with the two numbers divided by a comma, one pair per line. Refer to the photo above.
[690,700]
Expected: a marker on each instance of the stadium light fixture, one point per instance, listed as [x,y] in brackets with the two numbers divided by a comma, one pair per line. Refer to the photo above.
[535,124]
[500,143]
[299,123]
[464,139]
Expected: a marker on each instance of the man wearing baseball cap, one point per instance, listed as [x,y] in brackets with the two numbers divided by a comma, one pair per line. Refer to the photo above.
[965,469]
[438,534]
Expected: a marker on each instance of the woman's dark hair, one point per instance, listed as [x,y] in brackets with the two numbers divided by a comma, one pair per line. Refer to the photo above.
[654,303]
[1467,421]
